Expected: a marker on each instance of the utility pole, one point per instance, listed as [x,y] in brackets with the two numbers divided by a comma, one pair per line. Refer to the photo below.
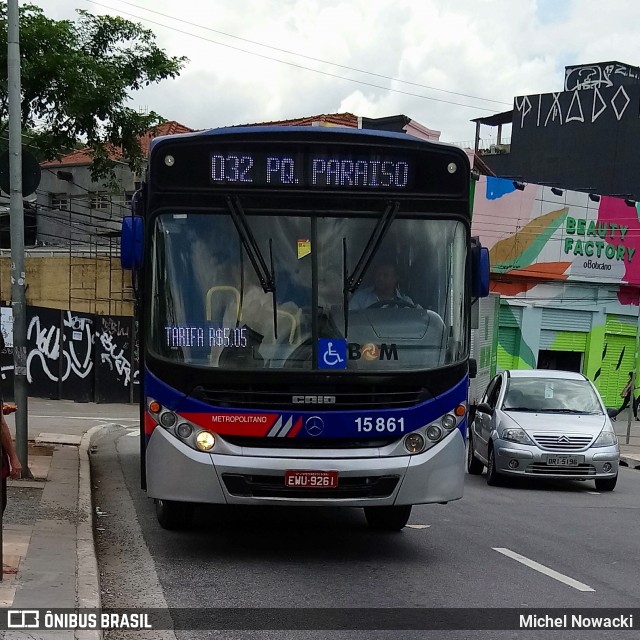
[18,285]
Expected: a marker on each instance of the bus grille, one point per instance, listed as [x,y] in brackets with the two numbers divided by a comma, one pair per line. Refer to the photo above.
[271,399]
[252,486]
[306,443]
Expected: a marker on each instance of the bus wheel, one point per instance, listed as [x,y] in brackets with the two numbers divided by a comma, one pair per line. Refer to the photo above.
[387,518]
[173,515]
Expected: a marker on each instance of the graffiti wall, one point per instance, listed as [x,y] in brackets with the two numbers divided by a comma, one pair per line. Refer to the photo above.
[114,342]
[581,138]
[74,356]
[600,75]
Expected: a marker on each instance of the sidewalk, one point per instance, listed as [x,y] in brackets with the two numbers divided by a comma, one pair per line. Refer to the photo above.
[48,546]
[629,453]
[48,524]
[48,551]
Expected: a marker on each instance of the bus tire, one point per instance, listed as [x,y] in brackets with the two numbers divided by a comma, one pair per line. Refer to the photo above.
[173,515]
[387,518]
[474,466]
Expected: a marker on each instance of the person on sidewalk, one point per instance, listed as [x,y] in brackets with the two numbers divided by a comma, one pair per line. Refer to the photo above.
[627,394]
[11,466]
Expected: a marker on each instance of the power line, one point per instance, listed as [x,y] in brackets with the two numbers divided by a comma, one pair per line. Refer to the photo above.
[292,64]
[302,55]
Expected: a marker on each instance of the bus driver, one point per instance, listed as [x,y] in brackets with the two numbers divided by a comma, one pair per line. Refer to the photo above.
[383,292]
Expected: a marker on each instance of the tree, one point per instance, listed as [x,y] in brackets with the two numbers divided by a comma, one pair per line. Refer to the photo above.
[76,81]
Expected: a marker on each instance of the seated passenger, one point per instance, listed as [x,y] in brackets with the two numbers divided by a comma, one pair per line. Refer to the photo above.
[384,290]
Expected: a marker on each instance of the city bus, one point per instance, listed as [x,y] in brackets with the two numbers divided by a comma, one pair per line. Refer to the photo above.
[262,382]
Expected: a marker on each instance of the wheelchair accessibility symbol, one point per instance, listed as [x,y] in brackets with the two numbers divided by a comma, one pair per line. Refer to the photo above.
[332,353]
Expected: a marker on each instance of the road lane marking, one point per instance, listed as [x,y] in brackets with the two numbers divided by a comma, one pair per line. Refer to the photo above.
[594,493]
[135,432]
[417,526]
[580,586]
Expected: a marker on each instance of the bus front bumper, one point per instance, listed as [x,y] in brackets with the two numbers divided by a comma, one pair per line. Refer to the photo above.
[177,472]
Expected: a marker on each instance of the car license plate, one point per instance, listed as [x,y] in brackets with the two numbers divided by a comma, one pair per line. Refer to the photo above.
[311,479]
[564,461]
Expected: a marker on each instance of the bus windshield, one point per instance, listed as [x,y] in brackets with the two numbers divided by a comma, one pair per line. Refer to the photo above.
[212,296]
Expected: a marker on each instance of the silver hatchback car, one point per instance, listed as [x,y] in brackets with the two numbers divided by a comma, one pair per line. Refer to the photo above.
[542,423]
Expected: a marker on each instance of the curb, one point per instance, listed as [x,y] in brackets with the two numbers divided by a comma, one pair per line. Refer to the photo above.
[87,574]
[631,462]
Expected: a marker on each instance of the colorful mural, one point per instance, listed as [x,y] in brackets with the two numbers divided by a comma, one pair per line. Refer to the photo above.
[567,267]
[533,231]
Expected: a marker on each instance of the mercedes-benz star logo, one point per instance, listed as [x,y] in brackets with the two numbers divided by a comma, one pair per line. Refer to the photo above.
[314,425]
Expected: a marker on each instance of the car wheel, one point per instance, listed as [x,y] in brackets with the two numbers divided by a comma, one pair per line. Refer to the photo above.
[173,515]
[494,479]
[387,518]
[606,484]
[474,466]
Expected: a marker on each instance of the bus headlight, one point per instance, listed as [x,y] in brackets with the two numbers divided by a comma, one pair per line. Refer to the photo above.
[434,433]
[448,421]
[168,419]
[184,430]
[414,443]
[205,440]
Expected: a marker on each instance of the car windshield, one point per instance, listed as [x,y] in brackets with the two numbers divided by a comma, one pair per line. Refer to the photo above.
[552,395]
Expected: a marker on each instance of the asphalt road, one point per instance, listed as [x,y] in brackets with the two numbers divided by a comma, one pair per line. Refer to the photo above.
[559,545]
[73,418]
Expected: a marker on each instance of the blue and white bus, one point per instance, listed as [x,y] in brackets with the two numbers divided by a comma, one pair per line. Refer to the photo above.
[263,383]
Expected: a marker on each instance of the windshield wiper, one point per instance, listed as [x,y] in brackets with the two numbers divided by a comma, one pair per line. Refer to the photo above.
[345,290]
[265,275]
[576,411]
[371,248]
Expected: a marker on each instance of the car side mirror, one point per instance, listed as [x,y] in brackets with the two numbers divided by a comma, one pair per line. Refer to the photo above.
[612,413]
[483,407]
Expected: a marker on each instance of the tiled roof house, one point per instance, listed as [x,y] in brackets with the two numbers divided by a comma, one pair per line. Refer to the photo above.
[74,209]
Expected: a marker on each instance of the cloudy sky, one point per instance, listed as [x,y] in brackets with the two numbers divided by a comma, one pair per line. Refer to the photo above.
[440,62]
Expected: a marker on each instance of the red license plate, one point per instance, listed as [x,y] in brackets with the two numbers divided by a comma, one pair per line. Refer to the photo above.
[311,479]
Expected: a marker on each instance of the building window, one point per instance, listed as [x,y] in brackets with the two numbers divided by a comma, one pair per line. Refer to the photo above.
[60,201]
[100,201]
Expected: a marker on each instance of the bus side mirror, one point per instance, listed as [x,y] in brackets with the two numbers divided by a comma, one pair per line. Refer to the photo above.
[473,368]
[131,242]
[479,271]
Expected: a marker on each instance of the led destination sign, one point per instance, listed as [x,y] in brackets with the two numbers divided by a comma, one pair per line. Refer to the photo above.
[410,168]
[313,171]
